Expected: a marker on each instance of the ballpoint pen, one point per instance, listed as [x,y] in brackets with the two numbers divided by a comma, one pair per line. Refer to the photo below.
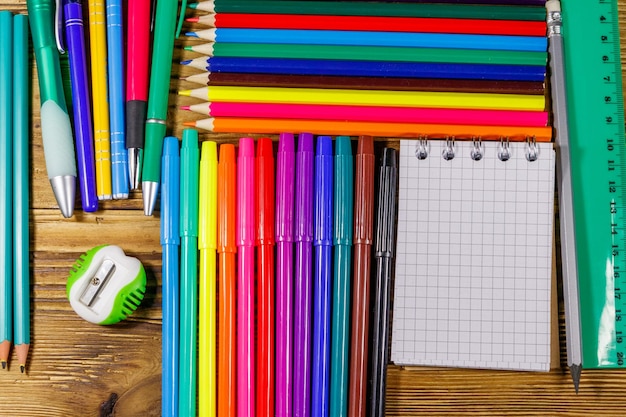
[137,75]
[56,129]
[100,98]
[207,245]
[322,272]
[265,181]
[6,167]
[303,276]
[566,203]
[160,71]
[170,241]
[340,337]
[81,98]
[246,240]
[21,240]
[381,292]
[189,166]
[363,238]
[227,250]
[115,77]
[285,195]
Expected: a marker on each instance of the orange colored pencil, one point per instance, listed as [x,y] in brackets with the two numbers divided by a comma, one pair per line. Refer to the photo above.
[380,129]
[227,248]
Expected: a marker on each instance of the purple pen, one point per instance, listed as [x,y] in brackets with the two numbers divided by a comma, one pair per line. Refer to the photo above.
[81,103]
[285,194]
[303,282]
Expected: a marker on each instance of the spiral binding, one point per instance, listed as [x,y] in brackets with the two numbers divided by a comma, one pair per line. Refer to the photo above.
[477,152]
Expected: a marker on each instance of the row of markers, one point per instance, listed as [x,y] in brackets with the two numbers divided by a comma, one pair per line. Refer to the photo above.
[379,68]
[266,254]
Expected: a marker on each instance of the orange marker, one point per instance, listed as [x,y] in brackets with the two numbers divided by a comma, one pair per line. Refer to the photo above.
[227,248]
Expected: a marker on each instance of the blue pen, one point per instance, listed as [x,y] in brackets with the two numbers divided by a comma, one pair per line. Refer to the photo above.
[374,38]
[372,68]
[170,241]
[322,275]
[81,99]
[343,226]
[117,123]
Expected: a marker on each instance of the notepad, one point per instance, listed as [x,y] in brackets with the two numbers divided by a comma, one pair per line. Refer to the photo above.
[474,255]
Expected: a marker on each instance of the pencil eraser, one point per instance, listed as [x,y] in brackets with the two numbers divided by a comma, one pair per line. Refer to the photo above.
[553,6]
[105,286]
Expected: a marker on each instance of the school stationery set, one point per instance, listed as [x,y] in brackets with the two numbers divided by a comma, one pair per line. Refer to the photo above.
[288,250]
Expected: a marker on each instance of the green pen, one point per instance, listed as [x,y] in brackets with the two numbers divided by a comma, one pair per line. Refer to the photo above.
[56,131]
[340,322]
[160,72]
[189,173]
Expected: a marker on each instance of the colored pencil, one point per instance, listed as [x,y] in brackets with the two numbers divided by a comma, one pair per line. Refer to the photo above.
[381,23]
[265,182]
[363,239]
[322,276]
[400,130]
[367,8]
[100,99]
[370,68]
[378,53]
[372,113]
[246,240]
[303,276]
[207,316]
[367,83]
[226,249]
[369,38]
[368,98]
[285,195]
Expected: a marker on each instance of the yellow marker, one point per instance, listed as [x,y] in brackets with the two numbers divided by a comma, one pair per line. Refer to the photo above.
[336,96]
[101,136]
[207,244]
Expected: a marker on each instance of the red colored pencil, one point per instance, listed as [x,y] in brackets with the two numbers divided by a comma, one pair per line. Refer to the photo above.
[265,284]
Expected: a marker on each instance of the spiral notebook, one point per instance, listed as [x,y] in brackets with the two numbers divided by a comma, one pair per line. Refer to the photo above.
[474,255]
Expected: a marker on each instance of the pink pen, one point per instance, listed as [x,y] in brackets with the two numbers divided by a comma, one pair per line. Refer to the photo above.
[246,207]
[285,200]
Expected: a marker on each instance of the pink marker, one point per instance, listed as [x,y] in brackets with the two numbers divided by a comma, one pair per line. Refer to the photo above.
[246,207]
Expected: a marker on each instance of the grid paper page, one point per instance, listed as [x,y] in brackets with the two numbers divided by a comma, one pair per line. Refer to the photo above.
[474,258]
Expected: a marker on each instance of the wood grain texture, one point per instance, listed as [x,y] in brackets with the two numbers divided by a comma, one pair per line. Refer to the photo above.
[79,369]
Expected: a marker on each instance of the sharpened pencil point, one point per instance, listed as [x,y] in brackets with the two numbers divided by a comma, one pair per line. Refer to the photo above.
[185,93]
[192,19]
[184,107]
[22,368]
[191,34]
[575,370]
[188,48]
[192,124]
[186,62]
[4,365]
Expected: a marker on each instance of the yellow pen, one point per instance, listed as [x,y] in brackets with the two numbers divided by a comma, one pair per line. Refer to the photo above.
[207,244]
[102,142]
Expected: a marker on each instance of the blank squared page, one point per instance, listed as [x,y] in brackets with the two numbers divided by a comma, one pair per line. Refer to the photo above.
[474,257]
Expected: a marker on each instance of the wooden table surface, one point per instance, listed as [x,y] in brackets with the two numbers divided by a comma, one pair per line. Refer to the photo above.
[79,369]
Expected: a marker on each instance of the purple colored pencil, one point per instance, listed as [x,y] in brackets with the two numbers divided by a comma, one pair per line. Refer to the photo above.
[302,342]
[285,196]
[81,103]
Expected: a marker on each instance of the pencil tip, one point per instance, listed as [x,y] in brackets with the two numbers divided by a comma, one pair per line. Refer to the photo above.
[186,62]
[192,124]
[184,107]
[22,368]
[4,365]
[192,19]
[191,34]
[575,370]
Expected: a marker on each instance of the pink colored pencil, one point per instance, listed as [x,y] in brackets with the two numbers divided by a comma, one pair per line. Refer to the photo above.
[373,113]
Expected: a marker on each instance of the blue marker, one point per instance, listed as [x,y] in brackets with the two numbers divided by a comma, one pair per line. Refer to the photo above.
[323,244]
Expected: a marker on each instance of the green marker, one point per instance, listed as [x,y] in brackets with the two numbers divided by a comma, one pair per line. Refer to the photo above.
[189,174]
[161,70]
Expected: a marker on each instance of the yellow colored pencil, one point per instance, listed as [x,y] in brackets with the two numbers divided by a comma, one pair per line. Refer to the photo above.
[207,244]
[102,141]
[369,97]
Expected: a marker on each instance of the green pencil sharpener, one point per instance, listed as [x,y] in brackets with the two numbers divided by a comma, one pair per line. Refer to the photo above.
[105,286]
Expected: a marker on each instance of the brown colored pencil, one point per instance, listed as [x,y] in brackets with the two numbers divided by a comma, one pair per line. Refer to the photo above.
[367,83]
[363,238]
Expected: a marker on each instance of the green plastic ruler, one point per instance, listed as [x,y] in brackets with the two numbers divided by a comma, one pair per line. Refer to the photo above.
[598,152]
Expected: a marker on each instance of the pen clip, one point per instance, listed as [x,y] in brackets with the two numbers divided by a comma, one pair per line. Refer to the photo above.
[58,26]
[181,17]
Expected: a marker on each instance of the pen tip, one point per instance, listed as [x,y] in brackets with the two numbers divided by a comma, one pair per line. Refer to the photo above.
[64,188]
[150,193]
[576,371]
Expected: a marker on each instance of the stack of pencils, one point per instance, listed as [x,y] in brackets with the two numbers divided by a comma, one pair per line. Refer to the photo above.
[399,69]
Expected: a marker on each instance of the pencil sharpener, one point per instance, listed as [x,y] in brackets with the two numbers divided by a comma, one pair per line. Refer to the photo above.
[105,286]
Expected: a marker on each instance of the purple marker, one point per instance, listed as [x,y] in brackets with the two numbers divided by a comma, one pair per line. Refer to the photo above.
[285,195]
[81,103]
[302,342]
